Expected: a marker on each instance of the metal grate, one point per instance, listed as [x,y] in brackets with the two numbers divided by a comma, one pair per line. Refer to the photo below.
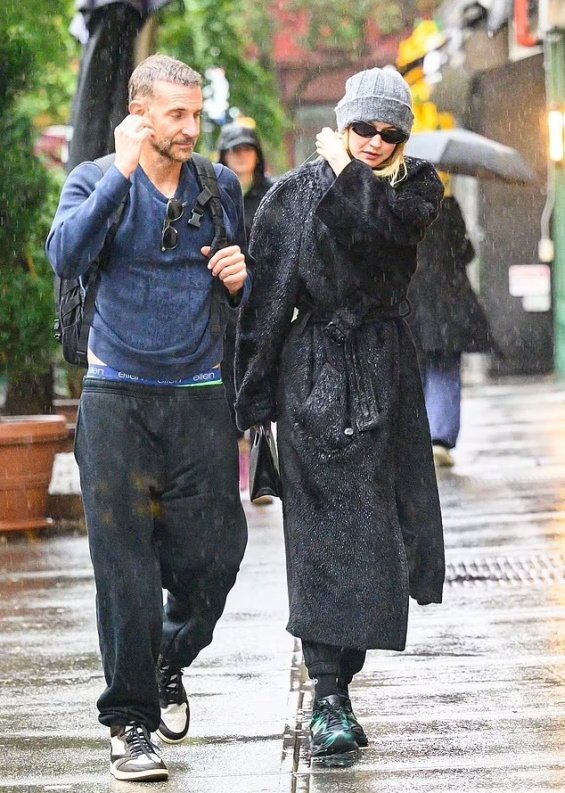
[534,569]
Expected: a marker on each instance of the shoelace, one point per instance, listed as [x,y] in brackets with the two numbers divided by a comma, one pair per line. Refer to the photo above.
[138,741]
[171,684]
[332,714]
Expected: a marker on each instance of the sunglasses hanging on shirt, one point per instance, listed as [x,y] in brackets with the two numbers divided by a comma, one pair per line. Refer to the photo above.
[175,211]
[389,135]
[169,234]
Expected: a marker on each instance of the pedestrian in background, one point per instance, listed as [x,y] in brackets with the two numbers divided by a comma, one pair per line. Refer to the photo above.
[446,320]
[337,239]
[155,442]
[240,149]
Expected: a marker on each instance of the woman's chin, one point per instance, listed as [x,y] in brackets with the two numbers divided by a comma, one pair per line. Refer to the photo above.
[372,162]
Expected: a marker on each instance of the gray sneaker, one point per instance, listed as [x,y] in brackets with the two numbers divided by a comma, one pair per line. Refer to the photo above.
[134,757]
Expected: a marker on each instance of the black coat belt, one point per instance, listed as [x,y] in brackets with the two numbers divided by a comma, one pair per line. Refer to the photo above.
[340,324]
[339,327]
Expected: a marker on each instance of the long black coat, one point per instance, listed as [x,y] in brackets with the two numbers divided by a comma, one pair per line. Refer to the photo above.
[446,315]
[361,513]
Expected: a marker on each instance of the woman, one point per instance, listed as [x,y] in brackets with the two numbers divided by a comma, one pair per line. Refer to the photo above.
[446,320]
[337,240]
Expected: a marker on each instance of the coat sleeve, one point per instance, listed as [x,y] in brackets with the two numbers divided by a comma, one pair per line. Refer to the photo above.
[363,211]
[463,251]
[266,315]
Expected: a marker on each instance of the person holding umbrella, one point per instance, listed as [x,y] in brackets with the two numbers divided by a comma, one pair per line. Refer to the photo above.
[446,320]
[336,239]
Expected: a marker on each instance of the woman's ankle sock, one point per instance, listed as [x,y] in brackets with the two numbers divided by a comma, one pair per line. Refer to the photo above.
[325,686]
[342,688]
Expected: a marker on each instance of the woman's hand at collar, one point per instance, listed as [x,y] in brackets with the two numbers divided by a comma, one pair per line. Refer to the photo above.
[330,145]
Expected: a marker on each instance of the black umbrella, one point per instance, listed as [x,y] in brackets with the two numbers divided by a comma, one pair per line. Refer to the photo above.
[460,151]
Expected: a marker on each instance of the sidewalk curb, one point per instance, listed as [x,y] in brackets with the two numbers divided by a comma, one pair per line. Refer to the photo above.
[293,732]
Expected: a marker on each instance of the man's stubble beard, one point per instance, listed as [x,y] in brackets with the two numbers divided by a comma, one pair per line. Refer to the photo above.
[165,149]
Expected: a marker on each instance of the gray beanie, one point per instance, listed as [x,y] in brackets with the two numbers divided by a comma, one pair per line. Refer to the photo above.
[376,95]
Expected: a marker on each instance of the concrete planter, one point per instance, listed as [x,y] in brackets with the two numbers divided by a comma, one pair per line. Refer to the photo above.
[27,449]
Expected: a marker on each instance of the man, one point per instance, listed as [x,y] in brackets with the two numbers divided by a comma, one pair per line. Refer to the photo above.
[155,442]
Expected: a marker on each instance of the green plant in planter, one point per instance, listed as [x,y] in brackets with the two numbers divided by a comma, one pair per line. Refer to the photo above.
[27,196]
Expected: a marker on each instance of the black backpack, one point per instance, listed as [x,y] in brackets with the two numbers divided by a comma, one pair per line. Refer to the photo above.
[75,299]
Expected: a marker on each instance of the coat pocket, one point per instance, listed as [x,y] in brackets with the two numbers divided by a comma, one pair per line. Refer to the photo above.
[324,414]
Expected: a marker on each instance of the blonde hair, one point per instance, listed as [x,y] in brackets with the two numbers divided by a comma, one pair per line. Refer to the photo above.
[447,181]
[394,169]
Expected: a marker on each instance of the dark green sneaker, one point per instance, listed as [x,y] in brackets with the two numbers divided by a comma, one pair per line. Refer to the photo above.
[330,732]
[356,728]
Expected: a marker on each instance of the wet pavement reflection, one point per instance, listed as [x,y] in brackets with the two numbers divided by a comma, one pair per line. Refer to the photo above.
[477,698]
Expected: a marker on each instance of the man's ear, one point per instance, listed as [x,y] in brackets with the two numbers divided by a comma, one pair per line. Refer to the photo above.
[137,107]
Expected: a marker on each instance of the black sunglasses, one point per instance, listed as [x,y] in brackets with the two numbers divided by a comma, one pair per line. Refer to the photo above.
[391,135]
[169,235]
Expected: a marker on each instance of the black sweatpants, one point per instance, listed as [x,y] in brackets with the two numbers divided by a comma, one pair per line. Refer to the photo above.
[159,478]
[327,659]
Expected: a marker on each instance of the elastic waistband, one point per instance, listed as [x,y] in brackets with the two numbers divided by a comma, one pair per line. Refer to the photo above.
[206,378]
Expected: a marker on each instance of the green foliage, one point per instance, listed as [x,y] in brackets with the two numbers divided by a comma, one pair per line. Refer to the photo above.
[340,25]
[216,33]
[27,192]
[26,319]
[41,27]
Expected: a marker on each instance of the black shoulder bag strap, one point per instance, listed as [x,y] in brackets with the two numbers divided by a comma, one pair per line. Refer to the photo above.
[210,195]
[91,286]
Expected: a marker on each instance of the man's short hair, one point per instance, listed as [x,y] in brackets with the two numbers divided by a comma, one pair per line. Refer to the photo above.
[160,67]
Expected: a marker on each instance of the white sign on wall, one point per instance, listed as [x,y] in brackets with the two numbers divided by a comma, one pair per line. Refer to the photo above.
[531,282]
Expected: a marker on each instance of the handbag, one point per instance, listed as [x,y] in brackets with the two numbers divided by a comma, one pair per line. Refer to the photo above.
[264,474]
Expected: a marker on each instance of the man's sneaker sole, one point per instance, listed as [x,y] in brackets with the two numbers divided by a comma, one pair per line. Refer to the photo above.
[170,736]
[149,775]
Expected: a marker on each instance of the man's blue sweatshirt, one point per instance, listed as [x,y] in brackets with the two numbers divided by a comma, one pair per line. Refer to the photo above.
[152,317]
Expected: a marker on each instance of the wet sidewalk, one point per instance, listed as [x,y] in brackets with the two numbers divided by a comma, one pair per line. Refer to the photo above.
[476,701]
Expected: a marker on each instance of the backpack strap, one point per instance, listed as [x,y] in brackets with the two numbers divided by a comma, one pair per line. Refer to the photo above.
[210,196]
[92,282]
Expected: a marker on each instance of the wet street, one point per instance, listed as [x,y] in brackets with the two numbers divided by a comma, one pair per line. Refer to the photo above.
[477,700]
